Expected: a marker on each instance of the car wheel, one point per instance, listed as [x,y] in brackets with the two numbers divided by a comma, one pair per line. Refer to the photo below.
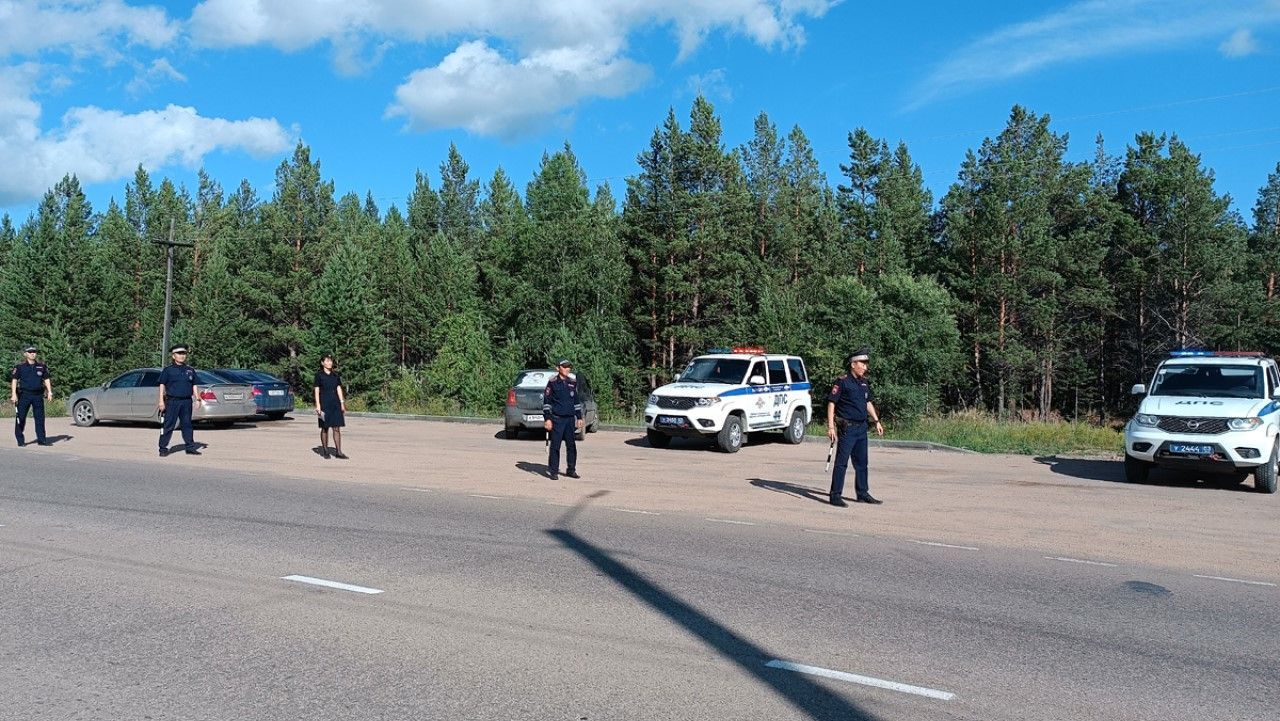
[657,439]
[275,415]
[1135,470]
[83,414]
[729,439]
[513,432]
[580,435]
[595,426]
[795,430]
[1264,478]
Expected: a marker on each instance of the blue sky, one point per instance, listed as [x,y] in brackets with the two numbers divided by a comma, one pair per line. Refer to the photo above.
[379,89]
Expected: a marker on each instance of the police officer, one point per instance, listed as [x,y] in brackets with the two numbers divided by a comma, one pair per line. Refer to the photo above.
[562,416]
[178,390]
[29,385]
[850,407]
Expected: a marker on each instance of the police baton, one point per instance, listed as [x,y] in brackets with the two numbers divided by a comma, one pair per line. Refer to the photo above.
[830,450]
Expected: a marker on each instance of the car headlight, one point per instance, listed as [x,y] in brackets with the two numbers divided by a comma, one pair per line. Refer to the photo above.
[1146,419]
[706,402]
[653,399]
[1244,424]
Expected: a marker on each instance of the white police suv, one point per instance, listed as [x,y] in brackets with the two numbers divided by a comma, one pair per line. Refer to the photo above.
[728,393]
[1211,412]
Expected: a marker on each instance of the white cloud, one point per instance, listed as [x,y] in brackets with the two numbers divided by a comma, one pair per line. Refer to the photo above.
[1241,43]
[100,145]
[712,84]
[160,70]
[28,27]
[580,46]
[476,88]
[1088,29]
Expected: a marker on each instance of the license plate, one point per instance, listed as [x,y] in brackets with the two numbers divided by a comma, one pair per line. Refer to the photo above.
[670,421]
[534,418]
[233,397]
[1190,449]
[275,393]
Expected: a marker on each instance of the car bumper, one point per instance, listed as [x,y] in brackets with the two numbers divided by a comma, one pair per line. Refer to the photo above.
[221,412]
[514,417]
[692,422]
[1226,451]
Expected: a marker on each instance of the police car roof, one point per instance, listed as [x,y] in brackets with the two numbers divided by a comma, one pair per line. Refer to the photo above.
[1216,360]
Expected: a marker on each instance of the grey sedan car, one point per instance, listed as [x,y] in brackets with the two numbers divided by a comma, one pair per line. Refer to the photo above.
[132,396]
[524,403]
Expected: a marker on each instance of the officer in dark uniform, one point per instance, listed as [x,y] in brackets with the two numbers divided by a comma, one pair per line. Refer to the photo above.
[178,391]
[562,416]
[849,407]
[28,387]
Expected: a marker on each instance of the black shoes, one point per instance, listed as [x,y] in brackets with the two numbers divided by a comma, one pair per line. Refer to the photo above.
[867,498]
[340,455]
[193,452]
[44,443]
[164,452]
[838,501]
[324,452]
[553,475]
[572,474]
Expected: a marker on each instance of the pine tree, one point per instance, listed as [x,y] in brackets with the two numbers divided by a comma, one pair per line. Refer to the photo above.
[347,322]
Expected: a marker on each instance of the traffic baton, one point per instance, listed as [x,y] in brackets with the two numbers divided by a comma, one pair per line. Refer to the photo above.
[830,450]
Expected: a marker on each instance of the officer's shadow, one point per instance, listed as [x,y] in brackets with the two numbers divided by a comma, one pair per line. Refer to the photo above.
[537,469]
[59,438]
[792,489]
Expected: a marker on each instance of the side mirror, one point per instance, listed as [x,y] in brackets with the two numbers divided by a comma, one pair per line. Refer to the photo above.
[106,385]
[756,380]
[1138,389]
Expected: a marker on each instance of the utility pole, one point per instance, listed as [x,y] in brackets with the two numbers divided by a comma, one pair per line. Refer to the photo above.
[168,288]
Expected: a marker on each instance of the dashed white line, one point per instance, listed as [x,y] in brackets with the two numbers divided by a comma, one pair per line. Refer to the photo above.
[864,680]
[1080,560]
[633,510]
[830,533]
[331,584]
[481,495]
[1235,580]
[944,545]
[418,490]
[736,523]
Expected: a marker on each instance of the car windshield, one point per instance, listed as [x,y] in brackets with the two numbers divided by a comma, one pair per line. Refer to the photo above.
[715,370]
[1210,381]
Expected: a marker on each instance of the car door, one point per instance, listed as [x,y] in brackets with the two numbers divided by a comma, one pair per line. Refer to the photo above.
[590,409]
[113,403]
[779,395]
[144,397]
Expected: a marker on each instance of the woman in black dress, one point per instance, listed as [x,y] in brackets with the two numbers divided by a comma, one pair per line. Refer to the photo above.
[331,407]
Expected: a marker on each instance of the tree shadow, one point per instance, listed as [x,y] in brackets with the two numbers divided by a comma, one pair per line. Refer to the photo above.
[809,697]
[537,469]
[792,489]
[1110,471]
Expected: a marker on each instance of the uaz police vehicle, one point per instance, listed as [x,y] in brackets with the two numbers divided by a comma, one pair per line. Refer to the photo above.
[729,392]
[1211,412]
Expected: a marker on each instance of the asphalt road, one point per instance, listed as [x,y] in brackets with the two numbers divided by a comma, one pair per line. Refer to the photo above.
[134,589]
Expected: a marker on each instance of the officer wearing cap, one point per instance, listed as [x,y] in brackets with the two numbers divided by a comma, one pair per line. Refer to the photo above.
[178,391]
[850,408]
[29,386]
[562,416]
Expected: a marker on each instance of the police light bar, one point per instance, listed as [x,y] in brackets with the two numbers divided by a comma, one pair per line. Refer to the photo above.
[1217,354]
[739,350]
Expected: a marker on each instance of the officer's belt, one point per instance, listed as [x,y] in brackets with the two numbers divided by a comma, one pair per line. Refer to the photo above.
[177,398]
[36,391]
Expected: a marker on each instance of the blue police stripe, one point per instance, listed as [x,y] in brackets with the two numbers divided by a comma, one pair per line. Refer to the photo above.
[752,390]
[1269,408]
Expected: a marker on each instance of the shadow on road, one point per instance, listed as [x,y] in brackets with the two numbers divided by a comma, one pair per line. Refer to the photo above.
[677,444]
[792,489]
[537,469]
[812,699]
[1111,471]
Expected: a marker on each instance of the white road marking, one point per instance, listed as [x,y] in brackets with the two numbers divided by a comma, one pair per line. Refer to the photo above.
[944,545]
[418,490]
[864,680]
[561,505]
[736,523]
[829,533]
[1235,580]
[1080,560]
[331,584]
[481,495]
[632,510]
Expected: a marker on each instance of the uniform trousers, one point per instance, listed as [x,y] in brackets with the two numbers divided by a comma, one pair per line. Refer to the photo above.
[562,429]
[35,403]
[851,445]
[177,411]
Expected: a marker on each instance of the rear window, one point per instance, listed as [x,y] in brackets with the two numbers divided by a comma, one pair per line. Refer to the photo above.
[797,370]
[777,371]
[205,378]
[534,379]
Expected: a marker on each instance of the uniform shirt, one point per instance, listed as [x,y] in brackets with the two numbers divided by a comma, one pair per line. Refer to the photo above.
[30,376]
[178,380]
[561,398]
[851,396]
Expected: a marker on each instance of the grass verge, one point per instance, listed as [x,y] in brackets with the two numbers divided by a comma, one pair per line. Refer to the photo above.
[988,435]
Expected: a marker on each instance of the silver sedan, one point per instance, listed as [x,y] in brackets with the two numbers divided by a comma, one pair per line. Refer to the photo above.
[132,396]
